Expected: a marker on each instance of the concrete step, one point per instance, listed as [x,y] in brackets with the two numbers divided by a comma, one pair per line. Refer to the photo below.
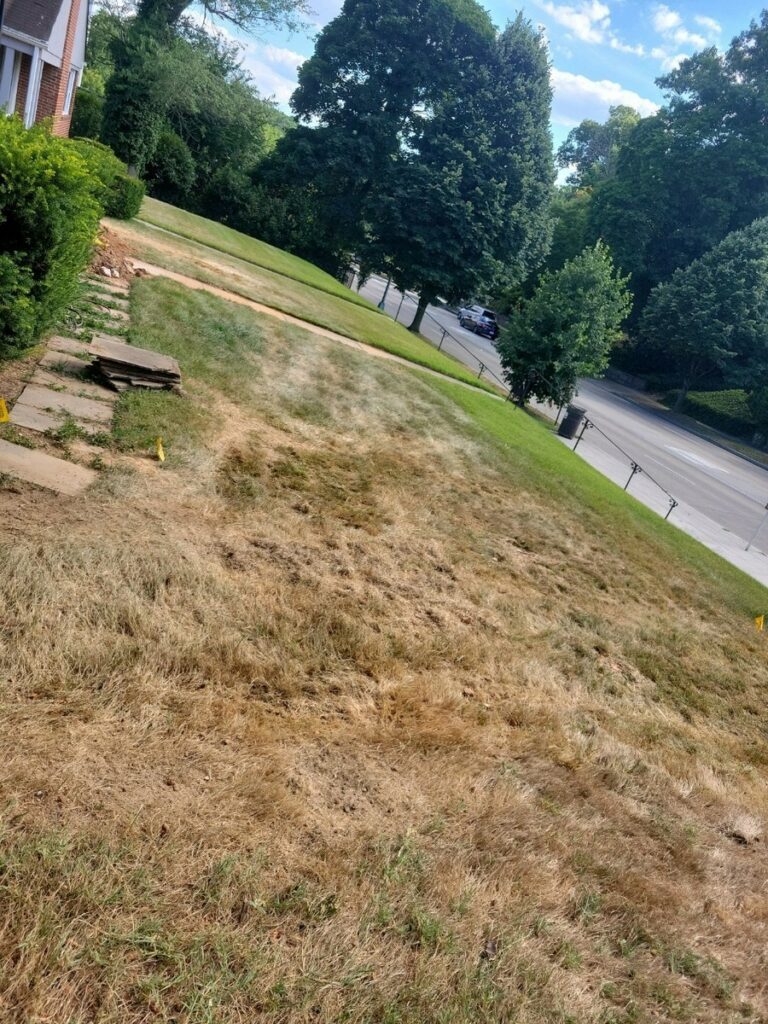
[44,470]
[119,315]
[57,401]
[113,284]
[72,346]
[63,362]
[73,386]
[35,419]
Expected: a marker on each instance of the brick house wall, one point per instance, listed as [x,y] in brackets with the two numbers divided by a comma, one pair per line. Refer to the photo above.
[49,91]
[21,91]
[61,121]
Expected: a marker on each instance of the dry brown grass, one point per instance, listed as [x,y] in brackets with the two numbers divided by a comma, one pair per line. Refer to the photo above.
[343,715]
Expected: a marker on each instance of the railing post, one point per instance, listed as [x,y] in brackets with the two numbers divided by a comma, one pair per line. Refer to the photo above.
[635,469]
[578,439]
[442,339]
[482,367]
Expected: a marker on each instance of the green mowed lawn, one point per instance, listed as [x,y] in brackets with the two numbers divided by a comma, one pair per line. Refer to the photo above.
[252,250]
[360,322]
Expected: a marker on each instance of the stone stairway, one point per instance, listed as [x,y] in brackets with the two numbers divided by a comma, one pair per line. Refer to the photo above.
[60,395]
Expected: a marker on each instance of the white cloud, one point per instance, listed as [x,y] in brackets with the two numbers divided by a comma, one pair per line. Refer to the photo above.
[578,97]
[282,57]
[589,21]
[617,44]
[669,61]
[273,69]
[669,25]
[269,81]
[665,19]
[714,28]
[682,37]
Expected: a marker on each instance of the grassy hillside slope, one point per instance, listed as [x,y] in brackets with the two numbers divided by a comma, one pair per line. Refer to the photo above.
[283,291]
[245,247]
[372,705]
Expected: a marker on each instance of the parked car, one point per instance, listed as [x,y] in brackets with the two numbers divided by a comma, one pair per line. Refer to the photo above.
[480,320]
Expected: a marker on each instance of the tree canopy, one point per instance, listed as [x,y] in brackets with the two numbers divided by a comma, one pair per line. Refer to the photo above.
[697,170]
[179,109]
[245,14]
[713,314]
[566,329]
[592,149]
[424,146]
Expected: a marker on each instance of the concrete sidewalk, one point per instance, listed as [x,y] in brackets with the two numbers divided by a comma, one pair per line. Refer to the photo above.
[709,533]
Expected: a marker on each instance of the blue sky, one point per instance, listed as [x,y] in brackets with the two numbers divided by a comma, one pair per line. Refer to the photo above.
[603,52]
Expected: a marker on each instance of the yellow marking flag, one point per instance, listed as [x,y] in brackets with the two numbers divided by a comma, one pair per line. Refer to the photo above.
[4,417]
[760,623]
[160,450]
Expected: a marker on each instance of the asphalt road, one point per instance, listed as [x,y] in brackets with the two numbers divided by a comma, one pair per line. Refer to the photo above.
[728,489]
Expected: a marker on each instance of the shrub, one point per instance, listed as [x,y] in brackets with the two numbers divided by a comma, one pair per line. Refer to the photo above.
[724,410]
[87,114]
[126,197]
[48,220]
[119,193]
[171,172]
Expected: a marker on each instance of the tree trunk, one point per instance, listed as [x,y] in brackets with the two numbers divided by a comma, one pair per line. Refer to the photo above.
[682,394]
[424,300]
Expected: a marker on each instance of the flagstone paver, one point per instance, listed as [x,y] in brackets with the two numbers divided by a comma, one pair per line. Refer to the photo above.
[63,362]
[44,470]
[73,346]
[73,385]
[57,401]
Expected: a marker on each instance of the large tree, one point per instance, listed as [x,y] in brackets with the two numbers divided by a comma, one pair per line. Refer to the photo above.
[181,110]
[592,148]
[424,145]
[695,171]
[465,207]
[712,316]
[566,329]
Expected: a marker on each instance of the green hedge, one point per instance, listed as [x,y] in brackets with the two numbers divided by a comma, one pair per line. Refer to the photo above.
[119,193]
[49,215]
[725,410]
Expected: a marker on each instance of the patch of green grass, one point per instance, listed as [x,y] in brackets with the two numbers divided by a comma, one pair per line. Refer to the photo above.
[12,434]
[215,343]
[69,430]
[550,468]
[362,323]
[245,247]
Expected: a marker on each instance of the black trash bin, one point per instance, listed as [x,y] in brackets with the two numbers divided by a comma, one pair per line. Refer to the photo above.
[572,421]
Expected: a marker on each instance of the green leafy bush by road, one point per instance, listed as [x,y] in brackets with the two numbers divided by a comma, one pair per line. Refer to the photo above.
[48,219]
[725,410]
[119,193]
